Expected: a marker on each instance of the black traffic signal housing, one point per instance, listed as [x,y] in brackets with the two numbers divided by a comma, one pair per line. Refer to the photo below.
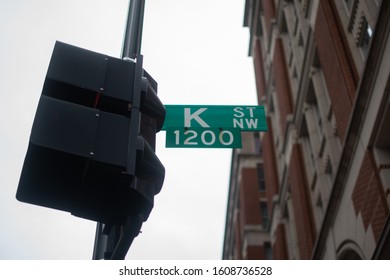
[87,151]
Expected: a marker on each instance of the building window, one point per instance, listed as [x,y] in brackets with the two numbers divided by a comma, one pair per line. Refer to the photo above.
[329,169]
[267,251]
[307,149]
[320,206]
[312,102]
[264,214]
[318,118]
[257,142]
[365,37]
[260,177]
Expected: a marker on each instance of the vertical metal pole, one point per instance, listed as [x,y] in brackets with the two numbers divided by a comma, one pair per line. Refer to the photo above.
[122,237]
[100,243]
[133,33]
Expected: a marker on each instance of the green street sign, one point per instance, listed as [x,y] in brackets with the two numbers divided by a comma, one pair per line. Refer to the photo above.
[211,126]
[203,138]
[244,118]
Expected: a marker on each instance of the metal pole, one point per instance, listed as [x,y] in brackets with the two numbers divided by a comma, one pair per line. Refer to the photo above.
[133,33]
[119,238]
[100,243]
[129,231]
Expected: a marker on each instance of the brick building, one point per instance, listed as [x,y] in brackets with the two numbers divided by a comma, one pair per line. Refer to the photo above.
[322,71]
[247,219]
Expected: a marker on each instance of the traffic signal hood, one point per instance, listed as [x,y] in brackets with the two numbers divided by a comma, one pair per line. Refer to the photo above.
[93,138]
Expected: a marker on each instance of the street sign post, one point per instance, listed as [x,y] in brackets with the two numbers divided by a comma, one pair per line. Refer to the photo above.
[211,126]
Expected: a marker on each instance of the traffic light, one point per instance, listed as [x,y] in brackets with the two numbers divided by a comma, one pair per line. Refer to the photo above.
[91,149]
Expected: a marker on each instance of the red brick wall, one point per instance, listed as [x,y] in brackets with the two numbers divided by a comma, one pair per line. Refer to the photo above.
[269,13]
[259,70]
[279,249]
[301,203]
[369,198]
[249,209]
[282,83]
[255,253]
[337,65]
[270,169]
[249,197]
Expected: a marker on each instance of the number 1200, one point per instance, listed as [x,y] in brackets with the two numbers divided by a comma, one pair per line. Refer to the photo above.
[205,137]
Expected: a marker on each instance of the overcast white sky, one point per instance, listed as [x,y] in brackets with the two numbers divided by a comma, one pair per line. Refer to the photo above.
[197,52]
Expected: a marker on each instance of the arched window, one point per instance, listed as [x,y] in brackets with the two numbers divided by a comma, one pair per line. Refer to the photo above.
[349,250]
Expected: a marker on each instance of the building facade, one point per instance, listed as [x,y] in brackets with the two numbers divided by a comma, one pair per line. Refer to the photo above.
[322,72]
[247,219]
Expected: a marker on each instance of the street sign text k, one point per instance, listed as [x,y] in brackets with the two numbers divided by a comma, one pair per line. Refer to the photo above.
[194,116]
